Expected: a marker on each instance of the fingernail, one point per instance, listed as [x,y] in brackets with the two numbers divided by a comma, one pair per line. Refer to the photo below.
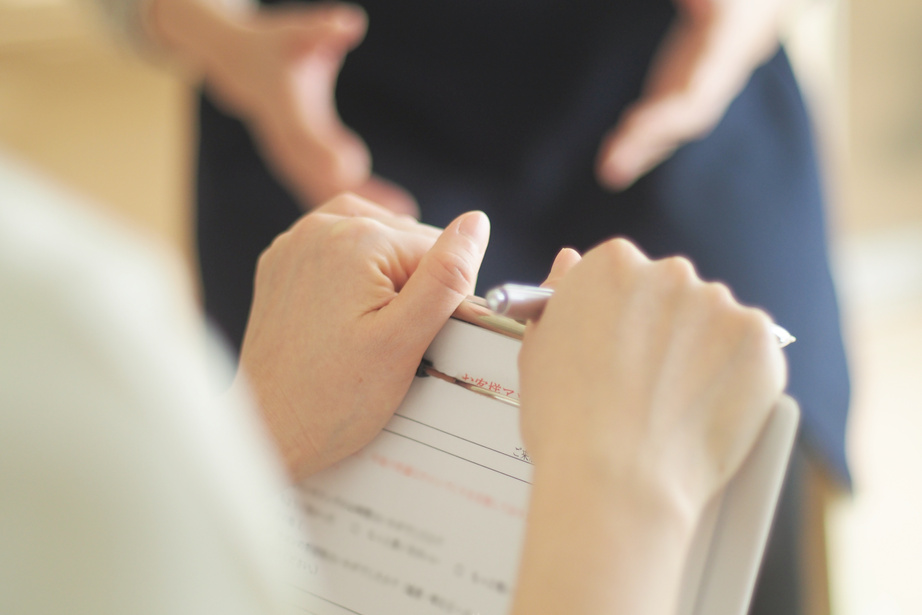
[562,260]
[476,226]
[567,253]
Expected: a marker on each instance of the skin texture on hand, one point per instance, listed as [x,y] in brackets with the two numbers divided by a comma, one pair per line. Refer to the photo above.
[703,62]
[346,303]
[276,69]
[643,389]
[655,368]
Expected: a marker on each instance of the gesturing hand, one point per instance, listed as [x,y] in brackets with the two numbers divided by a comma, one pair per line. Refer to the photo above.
[705,59]
[346,303]
[276,68]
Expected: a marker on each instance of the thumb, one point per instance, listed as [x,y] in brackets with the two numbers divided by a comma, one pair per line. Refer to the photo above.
[337,26]
[446,275]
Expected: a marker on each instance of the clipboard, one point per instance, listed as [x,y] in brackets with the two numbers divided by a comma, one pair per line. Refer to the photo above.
[429,518]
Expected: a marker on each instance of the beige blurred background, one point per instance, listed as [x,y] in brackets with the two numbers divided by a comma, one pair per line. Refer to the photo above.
[97,119]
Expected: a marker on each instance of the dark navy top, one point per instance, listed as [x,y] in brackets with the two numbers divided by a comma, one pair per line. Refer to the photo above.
[501,105]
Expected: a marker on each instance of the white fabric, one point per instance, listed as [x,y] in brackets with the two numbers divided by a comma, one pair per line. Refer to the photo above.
[127,19]
[127,483]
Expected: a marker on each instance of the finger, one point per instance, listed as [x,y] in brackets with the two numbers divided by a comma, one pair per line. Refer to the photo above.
[445,276]
[337,27]
[326,156]
[318,158]
[409,249]
[411,225]
[389,195]
[648,133]
[348,204]
[563,262]
[748,395]
[692,80]
[353,205]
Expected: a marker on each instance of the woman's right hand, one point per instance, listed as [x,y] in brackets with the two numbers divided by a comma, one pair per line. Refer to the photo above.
[641,368]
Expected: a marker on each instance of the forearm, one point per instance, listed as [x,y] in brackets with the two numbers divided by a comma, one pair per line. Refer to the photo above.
[597,544]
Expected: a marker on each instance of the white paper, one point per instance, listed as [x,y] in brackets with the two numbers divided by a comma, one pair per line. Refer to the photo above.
[429,518]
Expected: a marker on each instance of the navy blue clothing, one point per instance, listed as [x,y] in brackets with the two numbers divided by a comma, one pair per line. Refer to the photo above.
[501,106]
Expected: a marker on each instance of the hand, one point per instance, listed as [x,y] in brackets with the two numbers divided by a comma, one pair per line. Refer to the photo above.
[276,68]
[642,369]
[704,61]
[346,303]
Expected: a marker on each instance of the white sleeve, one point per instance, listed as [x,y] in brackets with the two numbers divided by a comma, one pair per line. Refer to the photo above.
[127,487]
[127,19]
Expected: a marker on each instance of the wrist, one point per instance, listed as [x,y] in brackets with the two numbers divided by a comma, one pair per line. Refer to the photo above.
[598,541]
[285,431]
[199,32]
[623,478]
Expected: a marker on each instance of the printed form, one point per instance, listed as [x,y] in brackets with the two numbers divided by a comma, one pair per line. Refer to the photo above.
[429,517]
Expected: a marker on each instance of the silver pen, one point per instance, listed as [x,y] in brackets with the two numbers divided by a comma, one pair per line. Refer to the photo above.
[521,302]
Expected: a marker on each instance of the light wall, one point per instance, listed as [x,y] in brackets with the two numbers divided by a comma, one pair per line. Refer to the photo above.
[94,116]
[876,546]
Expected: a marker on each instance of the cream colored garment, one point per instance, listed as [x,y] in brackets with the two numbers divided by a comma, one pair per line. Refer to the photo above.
[127,19]
[127,485]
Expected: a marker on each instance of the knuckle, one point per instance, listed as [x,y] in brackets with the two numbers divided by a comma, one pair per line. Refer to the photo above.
[678,271]
[452,270]
[756,325]
[277,245]
[344,204]
[306,227]
[620,252]
[355,230]
[762,347]
[719,295]
[751,327]
[274,253]
[741,323]
[263,262]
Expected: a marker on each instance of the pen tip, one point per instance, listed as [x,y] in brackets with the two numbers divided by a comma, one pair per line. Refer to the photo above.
[783,336]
